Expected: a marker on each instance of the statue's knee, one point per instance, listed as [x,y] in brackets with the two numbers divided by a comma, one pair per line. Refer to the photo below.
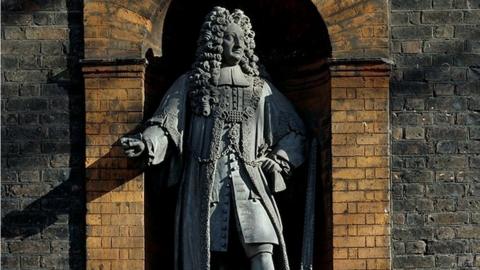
[262,261]
[262,257]
[252,250]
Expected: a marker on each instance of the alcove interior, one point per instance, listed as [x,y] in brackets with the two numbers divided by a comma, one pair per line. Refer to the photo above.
[293,45]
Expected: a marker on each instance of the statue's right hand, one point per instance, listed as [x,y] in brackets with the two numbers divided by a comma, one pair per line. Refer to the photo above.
[133,147]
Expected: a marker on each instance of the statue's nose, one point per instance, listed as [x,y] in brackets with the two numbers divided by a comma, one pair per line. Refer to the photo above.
[238,42]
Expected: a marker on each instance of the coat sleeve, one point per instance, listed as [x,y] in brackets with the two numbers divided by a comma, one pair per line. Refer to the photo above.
[156,142]
[285,127]
[164,131]
[171,113]
[289,151]
[285,134]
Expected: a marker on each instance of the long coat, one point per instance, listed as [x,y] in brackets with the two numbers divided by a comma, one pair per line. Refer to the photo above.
[193,143]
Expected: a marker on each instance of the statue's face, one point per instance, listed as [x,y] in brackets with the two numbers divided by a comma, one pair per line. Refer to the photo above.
[233,45]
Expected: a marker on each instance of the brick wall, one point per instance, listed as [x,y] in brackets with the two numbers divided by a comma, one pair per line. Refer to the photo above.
[42,135]
[436,134]
[120,29]
[357,28]
[360,152]
[114,185]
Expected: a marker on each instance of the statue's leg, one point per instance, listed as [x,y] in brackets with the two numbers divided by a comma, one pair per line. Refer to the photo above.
[260,256]
[218,261]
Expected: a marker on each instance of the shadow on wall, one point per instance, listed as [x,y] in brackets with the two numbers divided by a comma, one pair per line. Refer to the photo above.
[65,200]
[64,205]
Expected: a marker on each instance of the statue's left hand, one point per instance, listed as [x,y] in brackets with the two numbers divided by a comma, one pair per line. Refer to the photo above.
[269,165]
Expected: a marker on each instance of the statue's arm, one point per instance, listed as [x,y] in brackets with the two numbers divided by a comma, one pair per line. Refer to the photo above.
[289,151]
[152,143]
[286,154]
[156,144]
[164,130]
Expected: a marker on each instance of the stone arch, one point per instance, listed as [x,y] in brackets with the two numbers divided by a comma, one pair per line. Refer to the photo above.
[127,29]
[121,35]
[357,28]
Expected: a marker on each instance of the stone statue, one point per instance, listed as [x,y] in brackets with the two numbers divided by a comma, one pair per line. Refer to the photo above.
[230,138]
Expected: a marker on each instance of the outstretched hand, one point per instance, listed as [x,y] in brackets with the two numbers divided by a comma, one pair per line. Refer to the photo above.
[132,147]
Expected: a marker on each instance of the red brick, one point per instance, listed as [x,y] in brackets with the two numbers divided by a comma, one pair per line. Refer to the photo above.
[348,196]
[349,241]
[349,219]
[347,104]
[347,150]
[348,82]
[348,128]
[372,93]
[373,253]
[373,230]
[372,162]
[349,264]
[343,173]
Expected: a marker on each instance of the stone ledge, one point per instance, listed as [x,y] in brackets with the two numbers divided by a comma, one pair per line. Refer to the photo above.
[122,67]
[355,67]
[113,61]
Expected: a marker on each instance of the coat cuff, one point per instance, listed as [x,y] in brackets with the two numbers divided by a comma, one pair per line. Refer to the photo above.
[156,143]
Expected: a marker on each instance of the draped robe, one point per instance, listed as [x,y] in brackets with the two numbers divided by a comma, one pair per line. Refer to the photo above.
[191,143]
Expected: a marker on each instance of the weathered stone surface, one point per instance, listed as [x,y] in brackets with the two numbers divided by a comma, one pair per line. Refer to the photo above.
[413,261]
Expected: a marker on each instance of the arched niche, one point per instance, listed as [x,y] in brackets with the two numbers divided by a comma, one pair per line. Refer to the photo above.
[120,88]
[293,46]
[127,29]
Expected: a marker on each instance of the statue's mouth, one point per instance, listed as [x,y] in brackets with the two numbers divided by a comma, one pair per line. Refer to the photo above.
[237,52]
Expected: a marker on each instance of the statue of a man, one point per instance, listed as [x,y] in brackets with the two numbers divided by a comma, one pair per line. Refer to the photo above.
[230,138]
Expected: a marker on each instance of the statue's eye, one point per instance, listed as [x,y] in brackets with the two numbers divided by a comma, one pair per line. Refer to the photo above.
[229,37]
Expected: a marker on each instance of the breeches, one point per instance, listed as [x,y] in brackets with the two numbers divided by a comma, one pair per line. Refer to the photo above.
[239,255]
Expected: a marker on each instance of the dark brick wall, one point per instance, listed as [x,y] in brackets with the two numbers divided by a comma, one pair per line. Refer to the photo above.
[42,135]
[435,103]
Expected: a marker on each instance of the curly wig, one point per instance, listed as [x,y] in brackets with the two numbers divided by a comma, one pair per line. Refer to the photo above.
[205,72]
